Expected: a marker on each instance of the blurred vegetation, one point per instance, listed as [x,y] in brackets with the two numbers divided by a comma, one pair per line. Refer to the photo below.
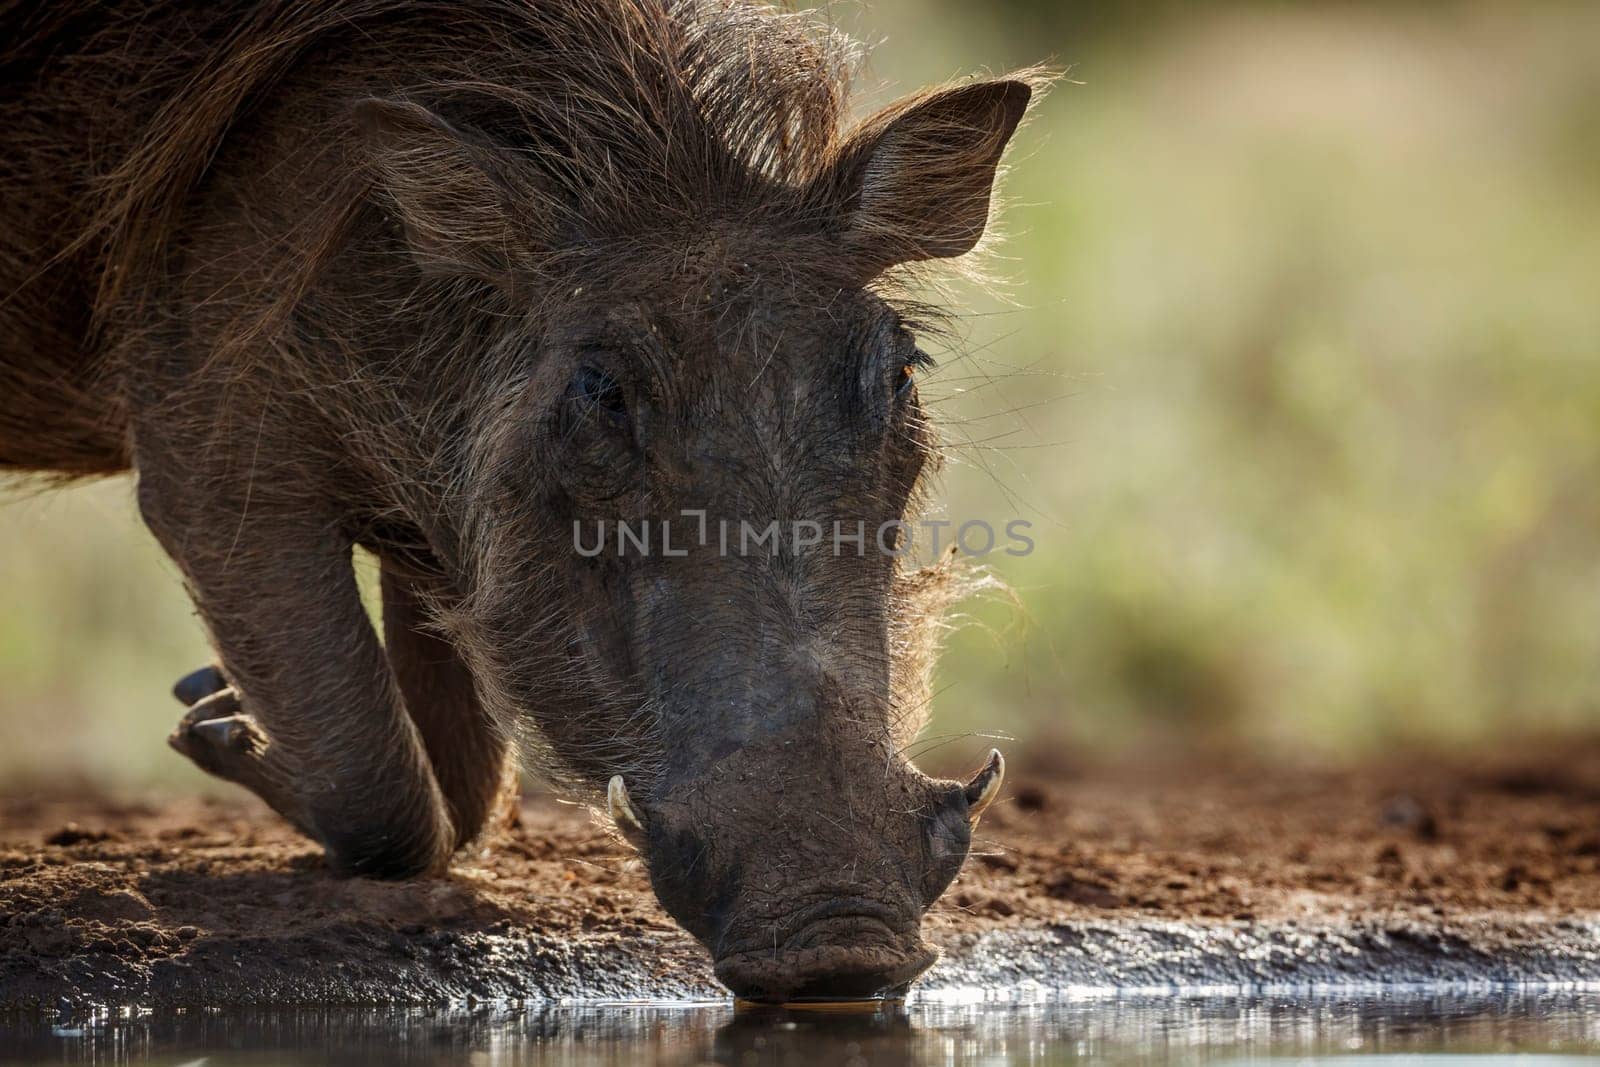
[1297,374]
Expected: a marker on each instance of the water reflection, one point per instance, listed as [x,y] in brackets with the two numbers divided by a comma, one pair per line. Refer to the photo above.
[923,1032]
[778,1036]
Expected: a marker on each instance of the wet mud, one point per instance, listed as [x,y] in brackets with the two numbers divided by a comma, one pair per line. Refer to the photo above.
[1129,878]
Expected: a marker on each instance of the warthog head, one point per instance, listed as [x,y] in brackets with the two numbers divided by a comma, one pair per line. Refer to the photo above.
[695,335]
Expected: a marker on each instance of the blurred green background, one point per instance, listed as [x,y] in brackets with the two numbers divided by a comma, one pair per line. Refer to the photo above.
[1297,374]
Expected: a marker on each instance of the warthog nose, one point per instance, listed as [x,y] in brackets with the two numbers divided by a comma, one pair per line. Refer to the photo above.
[840,970]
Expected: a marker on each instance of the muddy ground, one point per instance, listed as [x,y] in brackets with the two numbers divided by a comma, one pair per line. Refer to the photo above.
[1178,874]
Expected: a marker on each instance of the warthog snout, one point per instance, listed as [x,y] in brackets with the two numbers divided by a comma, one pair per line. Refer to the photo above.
[852,948]
[805,880]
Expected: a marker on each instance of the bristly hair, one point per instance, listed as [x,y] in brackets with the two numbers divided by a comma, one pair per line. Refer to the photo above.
[634,113]
[625,125]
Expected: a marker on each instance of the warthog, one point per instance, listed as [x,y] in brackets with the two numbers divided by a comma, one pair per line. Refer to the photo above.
[448,279]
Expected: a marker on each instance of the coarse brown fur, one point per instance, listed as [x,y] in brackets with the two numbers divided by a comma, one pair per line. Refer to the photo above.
[450,279]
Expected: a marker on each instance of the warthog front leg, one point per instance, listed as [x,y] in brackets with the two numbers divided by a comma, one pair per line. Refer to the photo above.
[471,758]
[313,721]
[224,741]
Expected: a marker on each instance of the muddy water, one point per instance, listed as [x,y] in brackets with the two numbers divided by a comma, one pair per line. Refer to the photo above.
[947,1029]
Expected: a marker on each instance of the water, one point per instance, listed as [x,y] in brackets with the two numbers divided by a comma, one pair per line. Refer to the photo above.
[1538,1027]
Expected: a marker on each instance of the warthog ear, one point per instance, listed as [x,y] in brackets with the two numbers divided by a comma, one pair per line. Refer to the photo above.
[919,174]
[457,195]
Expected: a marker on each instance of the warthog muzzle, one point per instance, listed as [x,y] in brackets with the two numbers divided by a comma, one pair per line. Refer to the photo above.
[808,897]
[855,949]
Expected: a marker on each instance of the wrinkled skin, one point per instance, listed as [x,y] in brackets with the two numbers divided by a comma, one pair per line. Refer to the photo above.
[350,297]
[810,910]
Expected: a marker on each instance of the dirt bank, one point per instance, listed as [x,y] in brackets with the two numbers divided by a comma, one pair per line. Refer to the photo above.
[1133,878]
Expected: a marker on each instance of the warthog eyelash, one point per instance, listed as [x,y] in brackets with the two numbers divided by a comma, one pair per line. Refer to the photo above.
[918,360]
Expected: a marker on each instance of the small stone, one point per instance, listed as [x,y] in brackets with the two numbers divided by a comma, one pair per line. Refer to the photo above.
[1406,811]
[73,834]
[1031,798]
[999,906]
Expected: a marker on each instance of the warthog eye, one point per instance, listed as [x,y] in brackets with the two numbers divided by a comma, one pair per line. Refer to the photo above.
[595,394]
[907,376]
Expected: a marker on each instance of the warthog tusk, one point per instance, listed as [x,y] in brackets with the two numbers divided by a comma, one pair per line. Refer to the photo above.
[985,785]
[622,813]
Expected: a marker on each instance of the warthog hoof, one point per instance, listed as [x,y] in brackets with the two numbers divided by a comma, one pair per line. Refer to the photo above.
[220,738]
[195,686]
